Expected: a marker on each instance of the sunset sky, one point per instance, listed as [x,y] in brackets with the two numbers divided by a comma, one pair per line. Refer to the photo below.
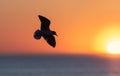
[83,26]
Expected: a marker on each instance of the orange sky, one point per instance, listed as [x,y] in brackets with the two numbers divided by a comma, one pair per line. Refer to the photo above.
[82,25]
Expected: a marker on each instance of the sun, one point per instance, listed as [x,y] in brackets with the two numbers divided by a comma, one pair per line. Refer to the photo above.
[113,47]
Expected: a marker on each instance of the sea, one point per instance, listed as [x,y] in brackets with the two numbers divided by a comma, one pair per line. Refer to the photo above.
[59,65]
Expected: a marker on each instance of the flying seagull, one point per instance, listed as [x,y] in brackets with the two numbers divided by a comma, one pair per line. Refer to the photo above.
[45,31]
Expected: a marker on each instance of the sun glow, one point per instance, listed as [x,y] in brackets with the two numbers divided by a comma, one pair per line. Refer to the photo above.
[107,40]
[113,47]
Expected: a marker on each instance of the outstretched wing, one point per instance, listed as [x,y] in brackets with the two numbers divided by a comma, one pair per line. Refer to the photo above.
[50,40]
[45,23]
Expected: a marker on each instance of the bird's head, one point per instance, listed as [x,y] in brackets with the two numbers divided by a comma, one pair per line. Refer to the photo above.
[54,33]
[37,34]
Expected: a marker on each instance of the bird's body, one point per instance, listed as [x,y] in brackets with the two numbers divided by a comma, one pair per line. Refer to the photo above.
[45,32]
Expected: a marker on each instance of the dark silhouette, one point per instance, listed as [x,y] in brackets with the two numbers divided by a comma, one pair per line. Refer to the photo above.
[45,32]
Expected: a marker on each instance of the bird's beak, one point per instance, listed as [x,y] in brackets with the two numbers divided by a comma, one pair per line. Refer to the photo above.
[56,35]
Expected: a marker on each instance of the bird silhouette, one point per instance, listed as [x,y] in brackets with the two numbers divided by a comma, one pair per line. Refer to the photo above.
[45,32]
